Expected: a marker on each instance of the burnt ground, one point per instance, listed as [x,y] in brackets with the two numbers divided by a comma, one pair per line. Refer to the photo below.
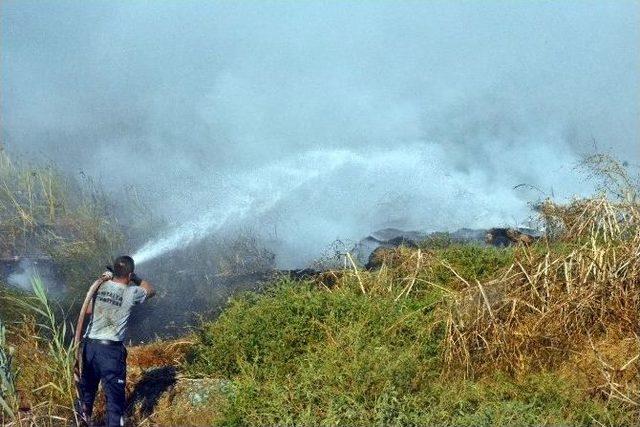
[188,298]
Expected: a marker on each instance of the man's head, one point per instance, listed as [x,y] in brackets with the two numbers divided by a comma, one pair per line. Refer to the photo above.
[123,267]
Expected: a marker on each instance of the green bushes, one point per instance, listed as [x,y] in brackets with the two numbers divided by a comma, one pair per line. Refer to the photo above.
[299,355]
[536,399]
[470,261]
[293,320]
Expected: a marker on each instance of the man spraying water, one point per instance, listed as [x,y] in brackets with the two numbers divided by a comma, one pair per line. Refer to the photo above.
[103,357]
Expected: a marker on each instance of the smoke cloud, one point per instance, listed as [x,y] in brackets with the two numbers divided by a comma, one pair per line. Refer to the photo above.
[27,270]
[311,121]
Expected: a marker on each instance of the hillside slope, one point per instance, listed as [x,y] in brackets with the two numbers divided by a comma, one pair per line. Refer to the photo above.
[461,335]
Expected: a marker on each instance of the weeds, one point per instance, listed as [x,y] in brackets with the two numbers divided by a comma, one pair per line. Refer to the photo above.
[444,334]
[614,177]
[298,347]
[44,212]
[551,305]
[304,354]
[42,345]
[8,373]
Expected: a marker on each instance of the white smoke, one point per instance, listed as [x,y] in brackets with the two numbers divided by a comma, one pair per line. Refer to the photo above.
[441,108]
[30,269]
[414,186]
[22,277]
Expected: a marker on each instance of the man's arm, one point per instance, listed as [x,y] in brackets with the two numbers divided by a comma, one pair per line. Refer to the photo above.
[149,288]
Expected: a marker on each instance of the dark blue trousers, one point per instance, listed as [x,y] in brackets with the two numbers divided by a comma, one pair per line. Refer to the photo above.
[106,363]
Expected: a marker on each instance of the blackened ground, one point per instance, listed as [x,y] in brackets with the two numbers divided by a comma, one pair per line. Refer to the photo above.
[186,299]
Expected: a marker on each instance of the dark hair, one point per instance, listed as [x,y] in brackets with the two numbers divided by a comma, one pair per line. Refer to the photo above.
[123,266]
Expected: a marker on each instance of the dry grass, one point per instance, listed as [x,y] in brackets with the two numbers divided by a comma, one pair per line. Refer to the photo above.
[43,398]
[151,373]
[575,303]
[44,389]
[8,392]
[45,380]
[159,353]
[564,308]
[568,307]
[46,212]
[30,201]
[188,402]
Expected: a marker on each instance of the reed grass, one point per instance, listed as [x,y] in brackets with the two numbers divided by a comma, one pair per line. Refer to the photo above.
[45,212]
[45,355]
[550,306]
[8,373]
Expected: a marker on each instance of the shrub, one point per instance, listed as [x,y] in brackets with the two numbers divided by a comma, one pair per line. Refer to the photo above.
[458,335]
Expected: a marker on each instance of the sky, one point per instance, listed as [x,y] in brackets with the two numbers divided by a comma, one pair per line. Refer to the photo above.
[311,121]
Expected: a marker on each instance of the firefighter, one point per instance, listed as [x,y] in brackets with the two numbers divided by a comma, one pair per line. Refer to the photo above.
[104,356]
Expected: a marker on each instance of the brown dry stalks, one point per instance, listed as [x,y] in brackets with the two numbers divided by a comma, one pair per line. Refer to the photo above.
[159,353]
[151,372]
[567,305]
[397,274]
[42,398]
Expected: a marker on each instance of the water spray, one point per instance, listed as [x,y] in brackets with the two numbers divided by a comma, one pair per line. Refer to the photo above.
[259,191]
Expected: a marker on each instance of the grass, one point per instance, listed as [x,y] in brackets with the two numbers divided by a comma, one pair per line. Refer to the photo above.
[293,319]
[44,212]
[552,304]
[300,355]
[68,218]
[43,352]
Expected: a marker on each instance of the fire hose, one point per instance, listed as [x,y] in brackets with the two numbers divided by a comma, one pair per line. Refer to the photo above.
[77,339]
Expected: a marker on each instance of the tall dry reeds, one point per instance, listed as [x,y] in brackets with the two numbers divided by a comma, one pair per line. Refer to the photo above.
[45,356]
[30,199]
[46,212]
[569,302]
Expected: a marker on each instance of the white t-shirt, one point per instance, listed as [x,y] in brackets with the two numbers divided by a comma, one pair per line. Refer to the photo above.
[111,310]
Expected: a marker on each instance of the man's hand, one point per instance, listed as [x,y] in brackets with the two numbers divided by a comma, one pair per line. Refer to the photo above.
[143,284]
[149,288]
[135,279]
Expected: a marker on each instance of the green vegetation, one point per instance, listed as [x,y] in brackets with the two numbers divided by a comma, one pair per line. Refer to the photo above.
[472,262]
[452,335]
[301,348]
[302,354]
[45,357]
